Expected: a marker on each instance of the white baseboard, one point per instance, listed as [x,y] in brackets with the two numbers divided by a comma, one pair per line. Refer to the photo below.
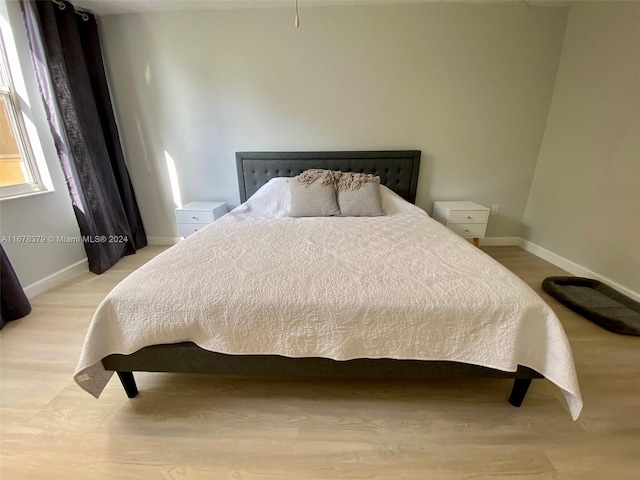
[574,268]
[57,278]
[163,240]
[499,241]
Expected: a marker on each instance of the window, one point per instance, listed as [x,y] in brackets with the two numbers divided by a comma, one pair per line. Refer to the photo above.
[18,170]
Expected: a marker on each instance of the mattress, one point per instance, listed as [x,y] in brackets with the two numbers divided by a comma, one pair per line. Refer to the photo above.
[398,286]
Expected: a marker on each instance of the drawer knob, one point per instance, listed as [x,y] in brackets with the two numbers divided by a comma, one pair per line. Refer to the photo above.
[195,218]
[469,218]
[466,230]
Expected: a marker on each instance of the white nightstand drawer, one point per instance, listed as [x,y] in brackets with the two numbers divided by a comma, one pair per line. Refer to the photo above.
[467,219]
[468,216]
[187,229]
[194,216]
[468,230]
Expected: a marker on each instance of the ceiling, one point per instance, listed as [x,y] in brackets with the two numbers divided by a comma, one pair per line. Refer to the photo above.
[115,7]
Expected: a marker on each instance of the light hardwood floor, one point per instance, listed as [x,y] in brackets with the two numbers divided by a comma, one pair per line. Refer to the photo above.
[208,427]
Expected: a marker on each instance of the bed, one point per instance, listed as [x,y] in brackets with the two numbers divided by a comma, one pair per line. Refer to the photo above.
[261,293]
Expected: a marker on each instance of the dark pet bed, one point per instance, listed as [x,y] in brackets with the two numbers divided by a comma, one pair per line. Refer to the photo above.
[597,302]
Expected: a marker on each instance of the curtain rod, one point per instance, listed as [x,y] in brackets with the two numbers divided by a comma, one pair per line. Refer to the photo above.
[62,6]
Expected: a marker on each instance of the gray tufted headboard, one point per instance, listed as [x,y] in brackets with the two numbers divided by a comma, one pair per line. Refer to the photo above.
[398,170]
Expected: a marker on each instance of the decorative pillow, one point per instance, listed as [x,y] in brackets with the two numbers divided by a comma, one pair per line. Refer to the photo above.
[359,195]
[313,194]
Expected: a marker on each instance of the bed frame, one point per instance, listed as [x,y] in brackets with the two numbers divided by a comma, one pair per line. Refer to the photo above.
[398,170]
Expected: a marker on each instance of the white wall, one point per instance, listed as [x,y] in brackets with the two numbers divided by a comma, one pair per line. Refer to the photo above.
[469,85]
[584,203]
[44,214]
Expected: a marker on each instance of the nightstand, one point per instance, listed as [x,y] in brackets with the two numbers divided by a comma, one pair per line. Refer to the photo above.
[467,219]
[196,215]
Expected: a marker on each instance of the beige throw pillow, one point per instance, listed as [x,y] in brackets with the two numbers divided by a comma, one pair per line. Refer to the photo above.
[313,199]
[362,199]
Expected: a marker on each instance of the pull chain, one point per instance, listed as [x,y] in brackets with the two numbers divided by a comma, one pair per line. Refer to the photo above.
[297,22]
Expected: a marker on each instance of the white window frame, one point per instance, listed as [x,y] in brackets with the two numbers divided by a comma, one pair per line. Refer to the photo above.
[34,182]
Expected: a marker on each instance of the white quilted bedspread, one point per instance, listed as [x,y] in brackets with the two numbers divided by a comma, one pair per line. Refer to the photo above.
[398,286]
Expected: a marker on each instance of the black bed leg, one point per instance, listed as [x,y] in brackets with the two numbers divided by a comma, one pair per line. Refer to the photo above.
[519,390]
[129,383]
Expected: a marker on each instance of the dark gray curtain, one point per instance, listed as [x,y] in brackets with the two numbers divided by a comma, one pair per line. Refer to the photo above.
[13,301]
[67,58]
